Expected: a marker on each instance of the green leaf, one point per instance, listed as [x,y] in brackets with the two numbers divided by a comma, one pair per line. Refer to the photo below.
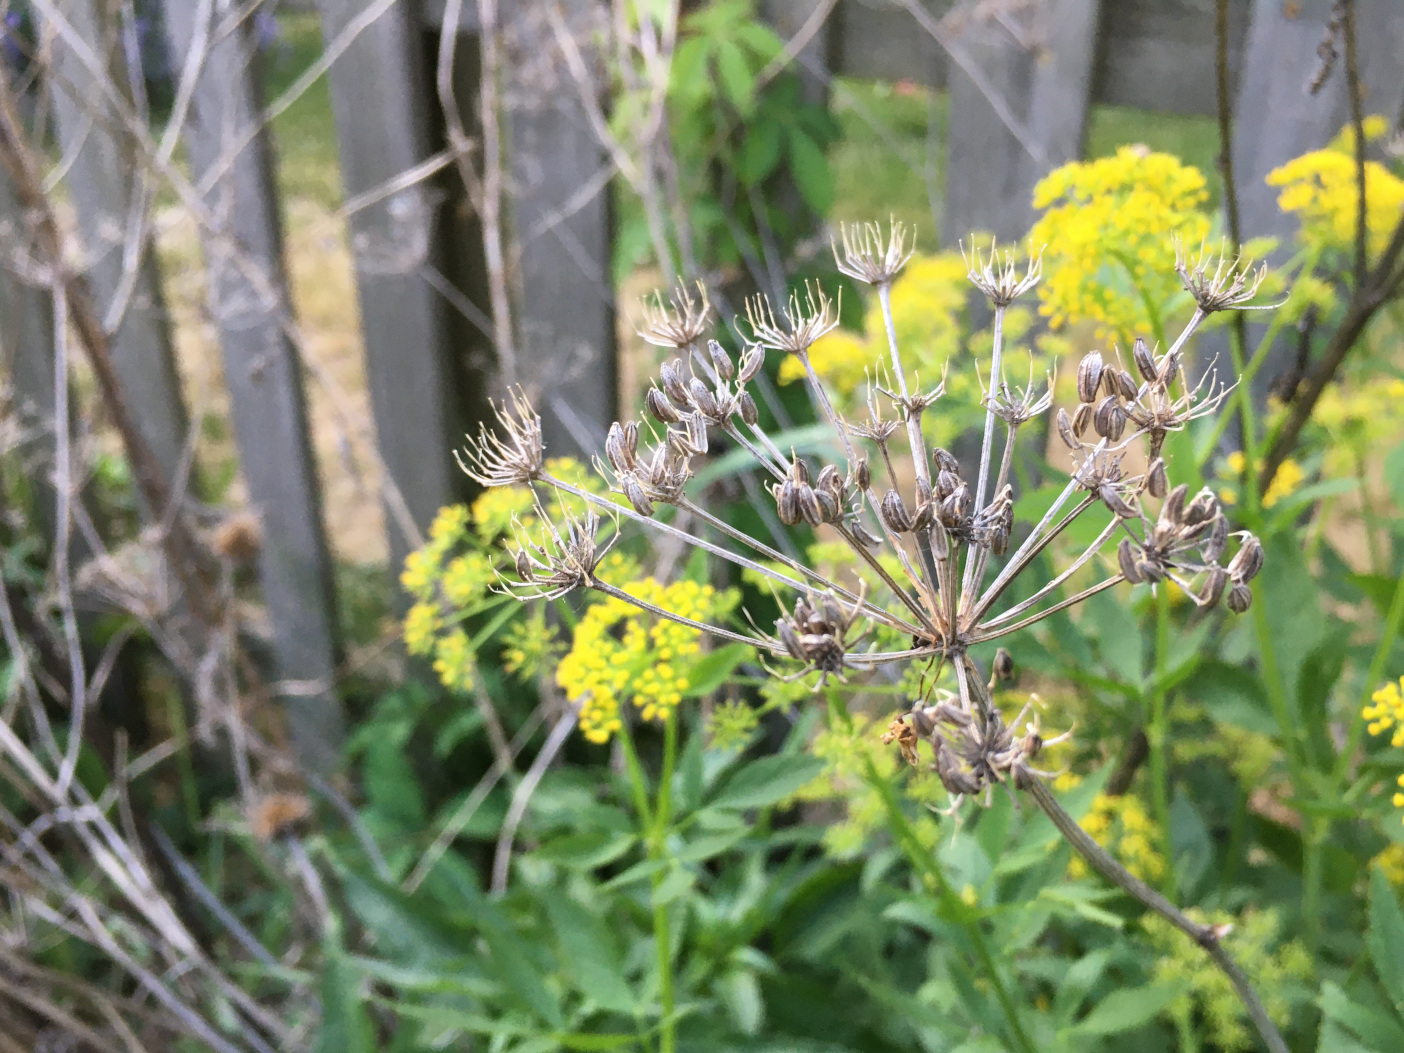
[738,83]
[711,670]
[346,1027]
[811,172]
[406,930]
[505,945]
[586,851]
[759,153]
[768,780]
[1232,695]
[1394,475]
[1126,1010]
[589,954]
[391,784]
[1386,938]
[741,994]
[1378,1030]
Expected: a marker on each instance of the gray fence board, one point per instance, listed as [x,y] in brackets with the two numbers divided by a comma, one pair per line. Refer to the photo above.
[249,302]
[1045,80]
[104,193]
[561,242]
[379,95]
[1277,119]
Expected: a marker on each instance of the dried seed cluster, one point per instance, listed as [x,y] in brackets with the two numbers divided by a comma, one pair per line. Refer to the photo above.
[932,535]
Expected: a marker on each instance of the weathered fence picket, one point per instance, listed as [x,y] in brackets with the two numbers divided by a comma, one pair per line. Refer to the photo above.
[111,198]
[249,305]
[381,103]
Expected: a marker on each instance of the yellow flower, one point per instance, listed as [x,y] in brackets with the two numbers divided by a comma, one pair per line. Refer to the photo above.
[1321,188]
[421,623]
[454,661]
[1386,710]
[1390,862]
[495,508]
[1121,825]
[1108,227]
[466,578]
[421,568]
[450,524]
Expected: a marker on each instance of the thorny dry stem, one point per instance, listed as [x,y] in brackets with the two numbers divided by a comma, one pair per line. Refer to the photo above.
[941,535]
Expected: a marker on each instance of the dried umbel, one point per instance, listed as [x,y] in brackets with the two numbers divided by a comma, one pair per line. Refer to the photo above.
[940,540]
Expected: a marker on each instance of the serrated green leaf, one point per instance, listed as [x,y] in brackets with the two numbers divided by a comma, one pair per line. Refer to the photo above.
[765,781]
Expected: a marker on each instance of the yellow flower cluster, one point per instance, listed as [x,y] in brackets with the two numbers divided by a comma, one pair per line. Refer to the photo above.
[620,652]
[1286,482]
[454,660]
[1121,825]
[1108,228]
[1321,188]
[1253,940]
[528,645]
[1357,416]
[1386,710]
[1390,862]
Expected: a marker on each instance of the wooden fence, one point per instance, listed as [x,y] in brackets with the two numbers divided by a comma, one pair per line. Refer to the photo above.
[1021,77]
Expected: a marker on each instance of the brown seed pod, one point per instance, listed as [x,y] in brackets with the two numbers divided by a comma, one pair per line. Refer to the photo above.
[721,361]
[634,491]
[1145,361]
[1125,384]
[1213,588]
[1156,479]
[1126,559]
[1247,561]
[746,406]
[1082,418]
[1240,598]
[660,408]
[894,513]
[1003,666]
[751,363]
[1065,430]
[1089,376]
[862,475]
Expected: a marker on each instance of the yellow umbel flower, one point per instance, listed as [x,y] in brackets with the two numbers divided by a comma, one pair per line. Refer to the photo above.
[1108,230]
[1390,862]
[619,652]
[1121,825]
[421,623]
[1287,481]
[1385,711]
[1321,188]
[454,660]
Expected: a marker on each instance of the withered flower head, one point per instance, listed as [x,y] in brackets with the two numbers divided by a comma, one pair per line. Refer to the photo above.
[680,322]
[1000,280]
[801,325]
[1219,283]
[559,562]
[512,457]
[870,257]
[817,634]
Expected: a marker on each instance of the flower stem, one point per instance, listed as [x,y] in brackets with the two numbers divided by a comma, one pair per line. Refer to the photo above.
[1156,734]
[657,851]
[1205,935]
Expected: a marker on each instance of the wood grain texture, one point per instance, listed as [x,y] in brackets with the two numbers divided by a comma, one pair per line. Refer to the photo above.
[250,307]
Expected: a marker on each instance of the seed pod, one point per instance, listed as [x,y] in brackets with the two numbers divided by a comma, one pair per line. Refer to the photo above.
[523,562]
[799,471]
[1145,361]
[1247,561]
[1113,500]
[958,500]
[828,506]
[721,361]
[1107,419]
[1065,431]
[1089,376]
[1240,598]
[671,377]
[829,481]
[923,491]
[787,502]
[1156,480]
[751,363]
[660,408]
[789,638]
[1150,571]
[925,515]
[1169,368]
[703,399]
[809,505]
[1082,418]
[1173,510]
[615,449]
[894,513]
[945,461]
[1126,558]
[862,475]
[746,406]
[1218,540]
[1203,508]
[1003,666]
[1126,384]
[940,540]
[697,432]
[999,533]
[635,493]
[1213,588]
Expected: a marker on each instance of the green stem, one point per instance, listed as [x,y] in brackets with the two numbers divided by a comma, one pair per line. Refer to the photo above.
[658,847]
[1156,733]
[1394,622]
[1313,837]
[922,861]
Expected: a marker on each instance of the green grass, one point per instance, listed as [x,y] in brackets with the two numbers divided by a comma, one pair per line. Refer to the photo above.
[305,133]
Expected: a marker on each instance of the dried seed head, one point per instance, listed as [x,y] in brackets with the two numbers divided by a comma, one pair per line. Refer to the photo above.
[1247,561]
[894,513]
[816,633]
[1082,417]
[1219,283]
[721,361]
[1003,666]
[512,457]
[1240,598]
[870,257]
[1156,478]
[559,562]
[1215,581]
[945,460]
[1126,559]
[751,363]
[746,407]
[679,323]
[1000,280]
[801,323]
[660,408]
[862,475]
[1065,430]
[1125,384]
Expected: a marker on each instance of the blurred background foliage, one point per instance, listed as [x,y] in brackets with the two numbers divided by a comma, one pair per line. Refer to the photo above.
[719,860]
